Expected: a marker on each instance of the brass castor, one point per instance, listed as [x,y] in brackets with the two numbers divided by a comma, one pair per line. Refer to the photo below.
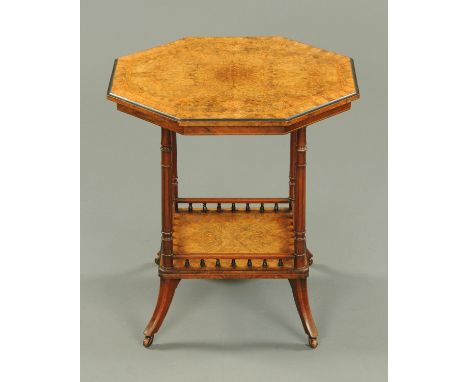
[148,341]
[313,342]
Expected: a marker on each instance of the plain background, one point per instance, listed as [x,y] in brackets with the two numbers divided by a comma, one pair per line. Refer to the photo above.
[234,329]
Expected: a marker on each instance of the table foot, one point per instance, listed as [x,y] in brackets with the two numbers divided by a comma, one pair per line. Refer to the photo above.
[166,293]
[148,341]
[301,298]
[313,342]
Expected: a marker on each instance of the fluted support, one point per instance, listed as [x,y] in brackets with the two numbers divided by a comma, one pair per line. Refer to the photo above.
[299,203]
[166,198]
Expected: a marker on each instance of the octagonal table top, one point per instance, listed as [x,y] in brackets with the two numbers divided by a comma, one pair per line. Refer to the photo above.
[233,85]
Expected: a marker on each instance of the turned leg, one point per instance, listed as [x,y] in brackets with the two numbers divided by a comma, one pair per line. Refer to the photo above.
[302,257]
[166,292]
[167,194]
[301,298]
[175,182]
[165,259]
[299,202]
[292,169]
[169,165]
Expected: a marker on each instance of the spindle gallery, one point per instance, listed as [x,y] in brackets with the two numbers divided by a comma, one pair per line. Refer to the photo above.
[233,86]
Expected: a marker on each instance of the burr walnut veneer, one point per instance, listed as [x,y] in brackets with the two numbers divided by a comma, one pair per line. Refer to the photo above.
[233,86]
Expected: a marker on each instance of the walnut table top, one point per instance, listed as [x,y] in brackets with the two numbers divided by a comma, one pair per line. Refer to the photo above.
[233,85]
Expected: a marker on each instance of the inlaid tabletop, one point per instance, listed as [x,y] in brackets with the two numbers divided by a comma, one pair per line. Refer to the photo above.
[206,85]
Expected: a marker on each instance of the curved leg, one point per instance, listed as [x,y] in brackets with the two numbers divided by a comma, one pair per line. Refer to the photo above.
[166,292]
[301,298]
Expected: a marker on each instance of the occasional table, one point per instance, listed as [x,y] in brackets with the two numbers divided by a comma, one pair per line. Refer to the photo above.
[233,86]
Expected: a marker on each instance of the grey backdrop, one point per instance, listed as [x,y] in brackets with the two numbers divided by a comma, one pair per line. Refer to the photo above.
[234,330]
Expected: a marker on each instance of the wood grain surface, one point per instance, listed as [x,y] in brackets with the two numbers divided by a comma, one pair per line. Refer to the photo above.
[232,82]
[228,233]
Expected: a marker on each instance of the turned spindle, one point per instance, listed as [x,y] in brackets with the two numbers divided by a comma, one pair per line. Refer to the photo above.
[276,209]
[190,207]
[247,207]
[233,263]
[187,263]
[218,209]
[233,207]
[262,207]
[202,263]
[264,264]
[218,263]
[204,209]
[249,263]
[280,262]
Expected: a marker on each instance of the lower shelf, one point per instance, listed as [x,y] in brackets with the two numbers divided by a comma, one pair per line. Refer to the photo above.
[224,233]
[240,244]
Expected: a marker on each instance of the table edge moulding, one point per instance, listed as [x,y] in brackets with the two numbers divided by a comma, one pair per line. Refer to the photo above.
[233,238]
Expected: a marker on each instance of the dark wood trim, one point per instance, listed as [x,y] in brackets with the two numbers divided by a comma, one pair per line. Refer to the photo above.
[111,80]
[354,76]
